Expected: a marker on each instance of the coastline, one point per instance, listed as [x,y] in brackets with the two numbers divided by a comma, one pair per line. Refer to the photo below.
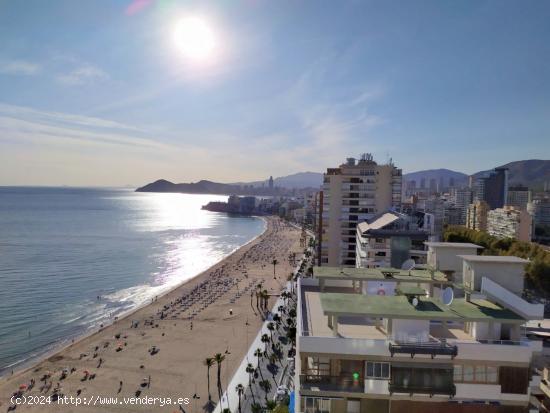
[63,344]
[224,325]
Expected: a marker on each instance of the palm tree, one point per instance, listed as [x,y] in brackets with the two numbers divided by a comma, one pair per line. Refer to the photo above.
[266,387]
[250,370]
[271,328]
[240,391]
[256,408]
[219,358]
[265,340]
[208,362]
[274,262]
[259,353]
[270,405]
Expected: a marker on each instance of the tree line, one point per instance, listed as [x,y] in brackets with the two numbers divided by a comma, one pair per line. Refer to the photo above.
[537,272]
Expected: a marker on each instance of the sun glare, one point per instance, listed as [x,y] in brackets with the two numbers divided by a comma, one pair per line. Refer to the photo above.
[195,38]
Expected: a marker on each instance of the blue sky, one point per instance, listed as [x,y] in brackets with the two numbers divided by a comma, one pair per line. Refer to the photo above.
[96,93]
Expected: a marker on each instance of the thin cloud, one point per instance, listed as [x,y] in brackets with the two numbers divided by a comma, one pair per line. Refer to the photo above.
[83,74]
[19,67]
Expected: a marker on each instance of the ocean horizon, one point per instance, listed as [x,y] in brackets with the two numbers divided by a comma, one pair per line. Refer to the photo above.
[72,258]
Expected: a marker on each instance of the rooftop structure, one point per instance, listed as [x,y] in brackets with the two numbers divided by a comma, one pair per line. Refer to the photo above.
[390,340]
[390,239]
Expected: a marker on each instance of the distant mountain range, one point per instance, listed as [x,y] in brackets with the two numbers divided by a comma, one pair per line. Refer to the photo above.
[283,186]
[532,173]
[200,187]
[297,180]
[438,174]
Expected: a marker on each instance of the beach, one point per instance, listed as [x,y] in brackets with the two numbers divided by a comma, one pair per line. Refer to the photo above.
[158,351]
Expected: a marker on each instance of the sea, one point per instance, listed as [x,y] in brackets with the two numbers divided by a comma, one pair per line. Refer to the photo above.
[74,258]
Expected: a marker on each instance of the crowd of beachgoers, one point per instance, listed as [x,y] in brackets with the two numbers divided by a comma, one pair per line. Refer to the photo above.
[159,350]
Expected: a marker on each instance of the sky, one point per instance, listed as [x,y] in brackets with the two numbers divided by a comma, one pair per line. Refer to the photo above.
[101,92]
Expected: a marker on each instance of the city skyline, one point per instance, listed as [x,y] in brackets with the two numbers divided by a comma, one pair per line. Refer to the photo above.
[102,95]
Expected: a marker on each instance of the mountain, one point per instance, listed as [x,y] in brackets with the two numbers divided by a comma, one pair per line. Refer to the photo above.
[201,187]
[532,172]
[298,180]
[437,174]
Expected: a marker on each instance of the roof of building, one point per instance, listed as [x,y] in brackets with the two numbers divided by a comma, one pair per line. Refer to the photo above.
[509,259]
[452,244]
[399,307]
[378,274]
[409,289]
[378,222]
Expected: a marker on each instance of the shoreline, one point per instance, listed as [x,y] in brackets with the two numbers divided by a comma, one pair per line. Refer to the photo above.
[210,313]
[64,344]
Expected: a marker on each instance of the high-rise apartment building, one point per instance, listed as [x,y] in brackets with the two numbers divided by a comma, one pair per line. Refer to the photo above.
[462,198]
[353,192]
[518,196]
[539,208]
[493,188]
[476,216]
[510,222]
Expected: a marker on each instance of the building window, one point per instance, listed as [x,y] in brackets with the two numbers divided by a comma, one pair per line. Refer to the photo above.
[318,366]
[468,373]
[376,370]
[457,372]
[316,405]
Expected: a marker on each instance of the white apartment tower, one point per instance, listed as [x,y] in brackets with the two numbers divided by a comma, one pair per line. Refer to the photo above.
[353,192]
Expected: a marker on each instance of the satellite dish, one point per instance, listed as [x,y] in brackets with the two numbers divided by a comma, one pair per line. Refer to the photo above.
[408,265]
[415,302]
[447,296]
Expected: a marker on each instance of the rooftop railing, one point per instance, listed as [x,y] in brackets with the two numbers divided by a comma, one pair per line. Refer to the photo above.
[433,349]
[447,389]
[331,383]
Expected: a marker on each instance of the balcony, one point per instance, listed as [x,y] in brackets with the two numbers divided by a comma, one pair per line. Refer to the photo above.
[448,389]
[331,383]
[430,348]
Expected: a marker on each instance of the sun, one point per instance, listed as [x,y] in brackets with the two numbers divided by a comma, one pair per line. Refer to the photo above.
[194,38]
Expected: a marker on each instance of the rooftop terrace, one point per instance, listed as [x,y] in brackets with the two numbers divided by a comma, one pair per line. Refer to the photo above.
[379,274]
[399,307]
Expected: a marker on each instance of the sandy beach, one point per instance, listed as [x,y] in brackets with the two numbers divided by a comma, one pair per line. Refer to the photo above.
[158,351]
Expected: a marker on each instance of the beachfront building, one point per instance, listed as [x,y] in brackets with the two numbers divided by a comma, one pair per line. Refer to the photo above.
[510,222]
[388,240]
[351,193]
[385,340]
[476,216]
